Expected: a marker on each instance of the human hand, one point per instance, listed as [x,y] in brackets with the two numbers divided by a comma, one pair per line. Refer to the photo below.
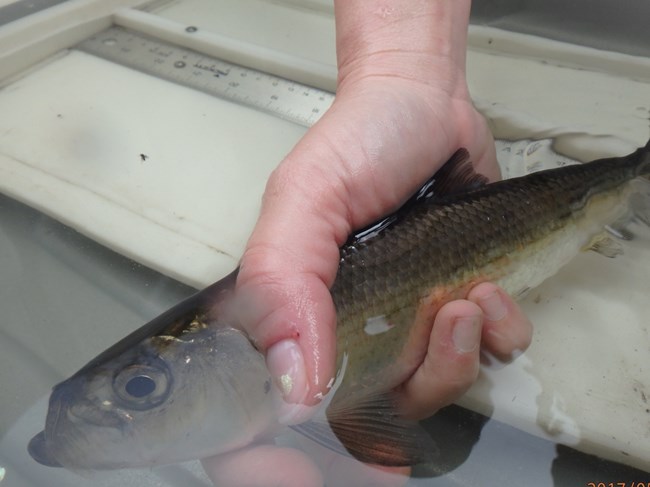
[402,109]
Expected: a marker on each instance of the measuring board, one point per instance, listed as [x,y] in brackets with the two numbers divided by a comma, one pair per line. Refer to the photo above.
[278,96]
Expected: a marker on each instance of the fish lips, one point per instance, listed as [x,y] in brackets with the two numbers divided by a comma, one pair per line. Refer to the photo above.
[40,452]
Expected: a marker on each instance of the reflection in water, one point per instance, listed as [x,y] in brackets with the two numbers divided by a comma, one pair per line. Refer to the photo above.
[565,473]
[457,430]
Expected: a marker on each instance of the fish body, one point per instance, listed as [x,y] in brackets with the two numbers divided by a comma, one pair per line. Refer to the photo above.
[515,233]
[190,384]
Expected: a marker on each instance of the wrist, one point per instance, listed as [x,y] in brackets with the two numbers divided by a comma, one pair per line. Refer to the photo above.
[419,40]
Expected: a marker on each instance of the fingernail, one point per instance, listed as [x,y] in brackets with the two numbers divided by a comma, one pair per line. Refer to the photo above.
[466,334]
[493,306]
[287,366]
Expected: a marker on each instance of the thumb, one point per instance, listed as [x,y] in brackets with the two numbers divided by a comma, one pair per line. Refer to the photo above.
[286,271]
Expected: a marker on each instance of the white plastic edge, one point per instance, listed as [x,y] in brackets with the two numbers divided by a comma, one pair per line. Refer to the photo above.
[301,70]
[34,38]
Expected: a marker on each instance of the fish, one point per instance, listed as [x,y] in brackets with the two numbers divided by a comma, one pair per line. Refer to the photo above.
[191,383]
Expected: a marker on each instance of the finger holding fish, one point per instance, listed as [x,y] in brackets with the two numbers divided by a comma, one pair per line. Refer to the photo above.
[291,318]
[507,330]
[488,321]
[451,363]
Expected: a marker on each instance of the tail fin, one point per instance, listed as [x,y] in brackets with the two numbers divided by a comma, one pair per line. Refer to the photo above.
[639,203]
[638,211]
[638,206]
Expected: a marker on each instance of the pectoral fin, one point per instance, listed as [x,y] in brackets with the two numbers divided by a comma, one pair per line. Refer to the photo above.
[372,432]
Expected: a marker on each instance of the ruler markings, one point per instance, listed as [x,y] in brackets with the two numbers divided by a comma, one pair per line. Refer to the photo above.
[277,96]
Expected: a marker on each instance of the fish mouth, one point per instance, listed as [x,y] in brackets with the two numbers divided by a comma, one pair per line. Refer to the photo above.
[38,450]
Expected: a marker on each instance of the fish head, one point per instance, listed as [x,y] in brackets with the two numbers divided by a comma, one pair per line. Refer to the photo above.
[199,391]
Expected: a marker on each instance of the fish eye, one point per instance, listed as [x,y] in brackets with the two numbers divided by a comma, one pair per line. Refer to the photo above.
[142,386]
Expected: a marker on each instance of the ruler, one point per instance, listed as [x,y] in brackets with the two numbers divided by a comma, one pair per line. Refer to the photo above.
[277,96]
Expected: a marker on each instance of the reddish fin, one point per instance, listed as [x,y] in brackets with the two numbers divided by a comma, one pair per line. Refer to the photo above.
[372,432]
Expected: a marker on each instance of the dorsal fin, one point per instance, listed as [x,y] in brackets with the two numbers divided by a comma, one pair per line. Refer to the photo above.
[455,176]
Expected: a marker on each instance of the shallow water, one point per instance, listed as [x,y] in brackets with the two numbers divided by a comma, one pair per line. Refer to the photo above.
[61,283]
